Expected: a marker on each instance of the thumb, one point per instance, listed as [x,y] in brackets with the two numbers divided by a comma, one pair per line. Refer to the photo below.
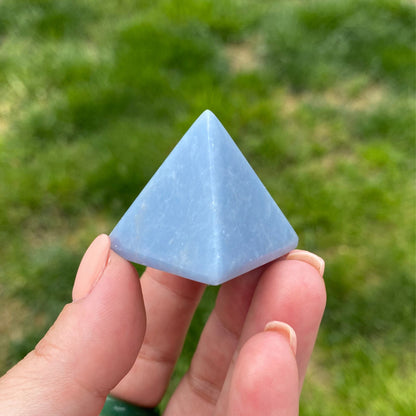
[88,350]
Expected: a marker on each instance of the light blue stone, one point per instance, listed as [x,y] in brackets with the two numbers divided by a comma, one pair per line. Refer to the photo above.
[204,215]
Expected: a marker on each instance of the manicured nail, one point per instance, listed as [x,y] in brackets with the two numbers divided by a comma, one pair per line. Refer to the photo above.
[284,329]
[91,267]
[308,257]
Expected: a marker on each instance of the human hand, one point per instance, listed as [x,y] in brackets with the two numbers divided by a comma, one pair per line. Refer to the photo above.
[124,335]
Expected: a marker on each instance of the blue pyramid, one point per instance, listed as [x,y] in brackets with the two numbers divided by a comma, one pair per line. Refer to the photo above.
[204,215]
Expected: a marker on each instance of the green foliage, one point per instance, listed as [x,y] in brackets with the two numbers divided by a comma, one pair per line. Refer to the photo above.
[317,94]
[46,18]
[314,44]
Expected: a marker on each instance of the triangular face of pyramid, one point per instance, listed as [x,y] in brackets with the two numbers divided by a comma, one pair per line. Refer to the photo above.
[204,215]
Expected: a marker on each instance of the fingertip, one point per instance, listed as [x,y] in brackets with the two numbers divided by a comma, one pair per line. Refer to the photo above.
[284,329]
[312,259]
[91,266]
[299,282]
[265,378]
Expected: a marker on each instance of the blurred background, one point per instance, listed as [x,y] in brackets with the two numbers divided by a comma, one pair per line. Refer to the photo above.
[318,95]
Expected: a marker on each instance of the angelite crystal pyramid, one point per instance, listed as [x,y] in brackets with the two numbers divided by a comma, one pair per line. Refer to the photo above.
[204,215]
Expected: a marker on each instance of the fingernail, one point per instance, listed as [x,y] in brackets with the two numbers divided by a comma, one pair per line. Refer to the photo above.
[284,329]
[308,257]
[91,267]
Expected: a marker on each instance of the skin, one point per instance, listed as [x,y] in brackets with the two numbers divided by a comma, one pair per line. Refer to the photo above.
[123,335]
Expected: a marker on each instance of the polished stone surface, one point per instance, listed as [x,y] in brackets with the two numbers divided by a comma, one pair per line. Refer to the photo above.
[204,215]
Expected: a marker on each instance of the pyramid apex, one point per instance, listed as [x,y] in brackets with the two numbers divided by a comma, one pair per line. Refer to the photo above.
[209,115]
[210,126]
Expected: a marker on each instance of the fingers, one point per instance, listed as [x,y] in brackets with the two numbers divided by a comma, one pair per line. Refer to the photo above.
[265,378]
[170,303]
[290,291]
[286,291]
[90,347]
[199,390]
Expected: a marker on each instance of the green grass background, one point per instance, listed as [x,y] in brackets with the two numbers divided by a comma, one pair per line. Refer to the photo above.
[319,96]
